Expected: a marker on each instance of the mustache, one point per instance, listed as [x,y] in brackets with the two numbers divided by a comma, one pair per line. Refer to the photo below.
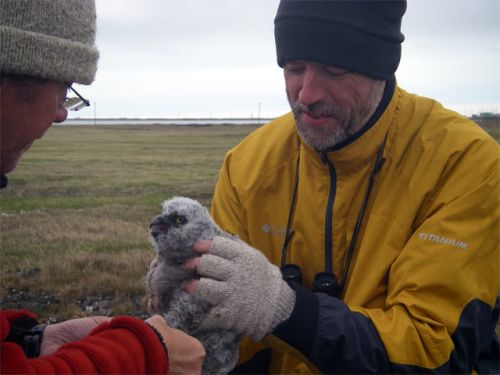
[318,109]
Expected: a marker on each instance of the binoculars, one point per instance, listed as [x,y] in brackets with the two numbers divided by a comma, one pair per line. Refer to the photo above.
[323,282]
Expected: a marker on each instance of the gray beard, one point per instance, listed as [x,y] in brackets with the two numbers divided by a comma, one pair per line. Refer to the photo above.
[318,138]
[323,138]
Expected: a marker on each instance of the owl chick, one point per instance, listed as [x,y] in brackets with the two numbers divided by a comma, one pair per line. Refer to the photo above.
[182,222]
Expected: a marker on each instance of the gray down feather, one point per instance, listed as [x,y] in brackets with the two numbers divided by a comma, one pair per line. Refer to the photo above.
[182,222]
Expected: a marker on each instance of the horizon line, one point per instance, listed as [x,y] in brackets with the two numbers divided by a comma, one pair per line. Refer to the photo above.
[168,118]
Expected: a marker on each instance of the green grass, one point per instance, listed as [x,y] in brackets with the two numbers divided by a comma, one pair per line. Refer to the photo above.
[74,219]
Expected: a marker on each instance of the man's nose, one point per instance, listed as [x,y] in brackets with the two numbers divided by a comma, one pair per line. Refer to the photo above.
[61,114]
[313,87]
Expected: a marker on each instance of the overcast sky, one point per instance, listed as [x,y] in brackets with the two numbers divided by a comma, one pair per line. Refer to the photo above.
[216,58]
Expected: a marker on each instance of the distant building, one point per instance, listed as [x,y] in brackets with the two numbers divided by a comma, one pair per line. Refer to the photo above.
[486,115]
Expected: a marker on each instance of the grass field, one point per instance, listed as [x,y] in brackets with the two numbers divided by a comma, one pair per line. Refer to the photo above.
[74,219]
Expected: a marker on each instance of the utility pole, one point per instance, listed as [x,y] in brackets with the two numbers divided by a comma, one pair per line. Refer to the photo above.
[95,113]
[258,114]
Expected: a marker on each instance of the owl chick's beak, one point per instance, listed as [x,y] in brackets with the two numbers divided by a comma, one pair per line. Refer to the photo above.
[159,226]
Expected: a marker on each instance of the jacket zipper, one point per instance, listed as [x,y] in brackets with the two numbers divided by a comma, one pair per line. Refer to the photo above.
[329,214]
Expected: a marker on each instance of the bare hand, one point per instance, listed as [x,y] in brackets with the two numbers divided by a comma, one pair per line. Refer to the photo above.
[185,353]
[58,334]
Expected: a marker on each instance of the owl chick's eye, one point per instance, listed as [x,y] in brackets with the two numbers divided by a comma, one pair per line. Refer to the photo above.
[179,220]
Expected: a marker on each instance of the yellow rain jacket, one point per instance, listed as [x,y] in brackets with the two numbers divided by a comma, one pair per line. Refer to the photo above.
[422,285]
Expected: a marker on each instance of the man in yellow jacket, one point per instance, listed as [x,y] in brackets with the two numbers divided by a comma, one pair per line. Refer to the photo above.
[380,207]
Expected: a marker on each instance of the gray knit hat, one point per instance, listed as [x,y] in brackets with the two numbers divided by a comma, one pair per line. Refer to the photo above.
[52,39]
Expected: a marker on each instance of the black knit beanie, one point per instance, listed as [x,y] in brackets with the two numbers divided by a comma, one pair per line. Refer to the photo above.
[360,36]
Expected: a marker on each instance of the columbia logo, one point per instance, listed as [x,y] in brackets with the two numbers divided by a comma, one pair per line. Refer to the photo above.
[273,229]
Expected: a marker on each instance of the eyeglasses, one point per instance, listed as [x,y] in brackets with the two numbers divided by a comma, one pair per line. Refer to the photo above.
[77,102]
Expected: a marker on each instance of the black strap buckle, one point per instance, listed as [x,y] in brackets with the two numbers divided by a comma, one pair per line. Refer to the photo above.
[32,343]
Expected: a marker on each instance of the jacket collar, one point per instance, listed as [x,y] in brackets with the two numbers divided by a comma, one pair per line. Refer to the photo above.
[362,147]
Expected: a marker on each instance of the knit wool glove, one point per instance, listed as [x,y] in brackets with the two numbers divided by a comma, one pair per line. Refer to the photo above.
[247,292]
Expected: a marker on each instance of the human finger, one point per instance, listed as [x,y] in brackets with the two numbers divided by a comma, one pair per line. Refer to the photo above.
[192,264]
[190,286]
[211,291]
[202,246]
[225,247]
[215,267]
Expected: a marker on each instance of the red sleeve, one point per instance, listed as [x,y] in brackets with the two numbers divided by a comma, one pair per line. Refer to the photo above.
[8,316]
[123,345]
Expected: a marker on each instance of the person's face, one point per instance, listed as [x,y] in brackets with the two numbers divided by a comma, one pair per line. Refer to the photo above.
[26,111]
[330,104]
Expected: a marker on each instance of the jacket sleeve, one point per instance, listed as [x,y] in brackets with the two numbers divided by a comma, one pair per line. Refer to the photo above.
[338,340]
[123,345]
